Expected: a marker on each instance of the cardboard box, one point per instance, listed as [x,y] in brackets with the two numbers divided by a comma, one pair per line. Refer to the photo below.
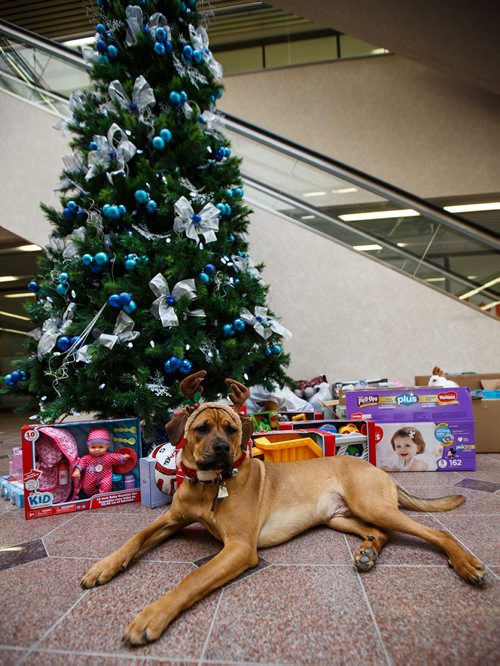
[52,453]
[151,495]
[486,415]
[420,429]
[361,444]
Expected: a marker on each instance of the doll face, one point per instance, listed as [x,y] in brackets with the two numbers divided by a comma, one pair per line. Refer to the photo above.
[405,447]
[97,449]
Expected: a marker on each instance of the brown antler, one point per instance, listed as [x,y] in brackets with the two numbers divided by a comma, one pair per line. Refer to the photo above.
[192,383]
[437,371]
[240,393]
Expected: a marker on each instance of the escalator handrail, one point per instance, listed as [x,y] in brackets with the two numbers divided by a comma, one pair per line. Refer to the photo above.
[371,183]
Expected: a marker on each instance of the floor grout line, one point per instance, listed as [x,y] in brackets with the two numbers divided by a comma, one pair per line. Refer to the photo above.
[210,628]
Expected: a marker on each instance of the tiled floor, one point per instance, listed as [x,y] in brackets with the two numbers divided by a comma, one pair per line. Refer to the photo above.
[303,604]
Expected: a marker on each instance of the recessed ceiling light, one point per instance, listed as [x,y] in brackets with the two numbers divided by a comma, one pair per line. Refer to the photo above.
[307,217]
[435,279]
[20,295]
[28,248]
[472,277]
[14,316]
[82,41]
[473,208]
[490,305]
[367,248]
[345,190]
[479,289]
[379,215]
[314,194]
[8,278]
[402,244]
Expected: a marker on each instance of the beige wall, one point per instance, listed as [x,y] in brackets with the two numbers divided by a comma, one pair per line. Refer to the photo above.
[31,153]
[403,122]
[353,318]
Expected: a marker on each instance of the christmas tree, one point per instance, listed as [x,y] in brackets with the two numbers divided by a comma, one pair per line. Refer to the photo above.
[147,277]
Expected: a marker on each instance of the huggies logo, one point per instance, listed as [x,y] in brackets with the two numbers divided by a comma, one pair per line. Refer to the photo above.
[447,397]
[367,400]
[406,399]
[40,499]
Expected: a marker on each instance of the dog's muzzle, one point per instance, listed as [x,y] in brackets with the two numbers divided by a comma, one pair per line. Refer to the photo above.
[219,457]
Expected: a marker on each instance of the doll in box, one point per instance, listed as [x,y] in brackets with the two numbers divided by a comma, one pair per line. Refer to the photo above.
[97,465]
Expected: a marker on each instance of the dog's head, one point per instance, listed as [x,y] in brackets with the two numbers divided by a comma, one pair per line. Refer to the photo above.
[213,435]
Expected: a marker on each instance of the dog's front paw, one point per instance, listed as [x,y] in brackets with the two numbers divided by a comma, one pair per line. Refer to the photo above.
[101,572]
[470,569]
[147,626]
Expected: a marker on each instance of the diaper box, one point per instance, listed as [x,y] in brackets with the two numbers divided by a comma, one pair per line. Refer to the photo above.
[82,465]
[419,429]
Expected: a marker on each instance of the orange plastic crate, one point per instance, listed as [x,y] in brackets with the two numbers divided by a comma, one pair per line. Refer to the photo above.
[284,449]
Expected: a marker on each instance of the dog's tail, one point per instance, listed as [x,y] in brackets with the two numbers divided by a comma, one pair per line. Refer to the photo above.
[412,503]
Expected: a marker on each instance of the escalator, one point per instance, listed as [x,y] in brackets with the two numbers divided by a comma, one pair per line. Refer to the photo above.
[458,256]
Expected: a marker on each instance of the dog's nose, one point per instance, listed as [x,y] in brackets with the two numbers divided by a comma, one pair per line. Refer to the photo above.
[221,447]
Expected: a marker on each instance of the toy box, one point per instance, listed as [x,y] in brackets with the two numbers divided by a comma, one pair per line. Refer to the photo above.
[263,421]
[79,466]
[419,429]
[12,490]
[355,437]
[288,446]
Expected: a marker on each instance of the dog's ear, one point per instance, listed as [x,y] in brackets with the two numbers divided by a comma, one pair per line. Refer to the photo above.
[175,427]
[247,430]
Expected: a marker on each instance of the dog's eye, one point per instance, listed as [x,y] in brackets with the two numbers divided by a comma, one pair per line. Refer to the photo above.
[231,430]
[202,429]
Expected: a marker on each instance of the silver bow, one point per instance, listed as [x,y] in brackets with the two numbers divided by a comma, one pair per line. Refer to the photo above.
[158,20]
[264,325]
[142,96]
[123,332]
[76,100]
[89,54]
[213,123]
[67,246]
[160,308]
[72,163]
[134,24]
[199,39]
[246,265]
[116,147]
[52,328]
[185,220]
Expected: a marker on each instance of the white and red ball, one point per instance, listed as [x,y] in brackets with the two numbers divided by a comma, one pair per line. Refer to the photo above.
[165,474]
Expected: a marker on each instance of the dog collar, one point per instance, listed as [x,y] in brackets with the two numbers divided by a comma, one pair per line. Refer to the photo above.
[194,474]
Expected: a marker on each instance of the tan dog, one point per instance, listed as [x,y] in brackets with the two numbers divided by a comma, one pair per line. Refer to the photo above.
[249,504]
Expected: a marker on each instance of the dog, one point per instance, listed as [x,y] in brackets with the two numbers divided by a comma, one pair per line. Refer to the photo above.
[249,504]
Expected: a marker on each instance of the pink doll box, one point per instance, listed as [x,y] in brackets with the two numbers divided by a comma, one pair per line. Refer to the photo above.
[52,454]
[419,429]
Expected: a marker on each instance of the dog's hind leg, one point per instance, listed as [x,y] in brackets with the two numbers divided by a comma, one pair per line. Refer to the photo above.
[373,540]
[388,517]
[159,530]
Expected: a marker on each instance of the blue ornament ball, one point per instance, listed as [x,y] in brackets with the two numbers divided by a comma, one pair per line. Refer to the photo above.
[159,49]
[218,93]
[267,351]
[204,277]
[197,56]
[101,258]
[93,146]
[175,98]
[63,277]
[184,97]
[227,330]
[168,47]
[171,300]
[228,210]
[221,207]
[100,28]
[238,192]
[33,286]
[95,268]
[72,205]
[124,298]
[122,209]
[185,367]
[16,375]
[74,340]
[130,307]
[151,206]
[209,269]
[114,301]
[168,367]
[166,135]
[68,214]
[141,196]
[112,212]
[87,259]
[63,343]
[24,375]
[101,46]
[175,362]
[239,325]
[61,288]
[158,143]
[187,52]
[276,349]
[112,51]
[130,264]
[8,380]
[160,34]
[103,60]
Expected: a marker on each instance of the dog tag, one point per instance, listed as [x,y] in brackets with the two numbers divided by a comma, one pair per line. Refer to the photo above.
[222,492]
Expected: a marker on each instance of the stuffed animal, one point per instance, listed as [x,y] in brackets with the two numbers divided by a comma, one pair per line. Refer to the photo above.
[438,379]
